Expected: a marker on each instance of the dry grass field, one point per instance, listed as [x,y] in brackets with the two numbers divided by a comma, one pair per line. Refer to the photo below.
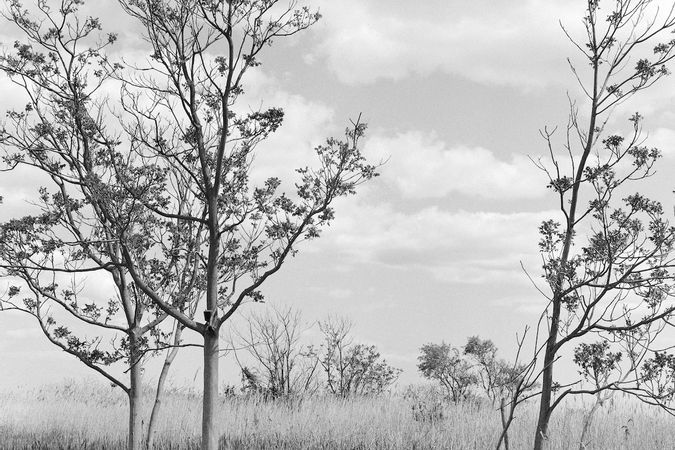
[92,416]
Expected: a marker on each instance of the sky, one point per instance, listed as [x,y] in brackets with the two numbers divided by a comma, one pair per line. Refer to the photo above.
[435,249]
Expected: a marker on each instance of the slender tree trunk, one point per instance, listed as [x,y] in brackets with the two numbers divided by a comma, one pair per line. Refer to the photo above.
[541,437]
[211,329]
[506,422]
[209,431]
[588,420]
[135,418]
[159,393]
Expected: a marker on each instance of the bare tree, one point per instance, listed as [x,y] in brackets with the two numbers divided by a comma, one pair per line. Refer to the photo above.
[337,339]
[352,368]
[620,272]
[282,363]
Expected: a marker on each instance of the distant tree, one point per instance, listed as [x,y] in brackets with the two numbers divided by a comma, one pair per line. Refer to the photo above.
[506,383]
[444,363]
[352,369]
[251,382]
[492,372]
[515,382]
[337,339]
[280,363]
[365,372]
[605,261]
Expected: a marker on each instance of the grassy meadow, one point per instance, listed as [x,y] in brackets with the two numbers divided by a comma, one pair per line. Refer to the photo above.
[89,416]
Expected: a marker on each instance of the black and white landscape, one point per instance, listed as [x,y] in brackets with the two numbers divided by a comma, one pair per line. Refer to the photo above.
[337,224]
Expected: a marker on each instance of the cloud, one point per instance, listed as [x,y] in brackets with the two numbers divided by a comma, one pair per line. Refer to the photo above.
[421,166]
[663,139]
[494,42]
[418,165]
[455,246]
[306,124]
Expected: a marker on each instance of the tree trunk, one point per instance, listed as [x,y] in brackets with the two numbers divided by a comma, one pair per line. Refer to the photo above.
[506,422]
[541,436]
[159,393]
[588,420]
[209,431]
[135,423]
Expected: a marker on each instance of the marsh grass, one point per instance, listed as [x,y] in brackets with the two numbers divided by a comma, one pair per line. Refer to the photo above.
[90,416]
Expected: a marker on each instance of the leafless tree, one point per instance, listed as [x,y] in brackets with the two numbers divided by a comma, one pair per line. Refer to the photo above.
[352,368]
[273,341]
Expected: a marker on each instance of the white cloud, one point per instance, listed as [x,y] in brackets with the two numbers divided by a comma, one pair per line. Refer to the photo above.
[421,166]
[496,42]
[460,246]
[418,165]
[663,139]
[306,125]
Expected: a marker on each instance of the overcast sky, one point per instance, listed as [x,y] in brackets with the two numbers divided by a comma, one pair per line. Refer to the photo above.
[455,94]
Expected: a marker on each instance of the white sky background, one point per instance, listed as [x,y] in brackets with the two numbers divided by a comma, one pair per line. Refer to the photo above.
[454,94]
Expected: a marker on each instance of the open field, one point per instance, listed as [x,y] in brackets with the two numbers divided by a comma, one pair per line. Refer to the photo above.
[77,415]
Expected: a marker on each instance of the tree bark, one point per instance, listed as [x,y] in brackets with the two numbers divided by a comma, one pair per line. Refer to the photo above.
[135,441]
[541,437]
[159,393]
[209,431]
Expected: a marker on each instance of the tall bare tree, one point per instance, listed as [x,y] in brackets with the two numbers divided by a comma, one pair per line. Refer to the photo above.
[617,280]
[272,340]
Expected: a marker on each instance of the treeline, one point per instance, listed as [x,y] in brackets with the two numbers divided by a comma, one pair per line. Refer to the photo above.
[281,364]
[275,360]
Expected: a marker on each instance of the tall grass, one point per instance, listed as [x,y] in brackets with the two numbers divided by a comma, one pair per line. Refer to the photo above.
[78,415]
